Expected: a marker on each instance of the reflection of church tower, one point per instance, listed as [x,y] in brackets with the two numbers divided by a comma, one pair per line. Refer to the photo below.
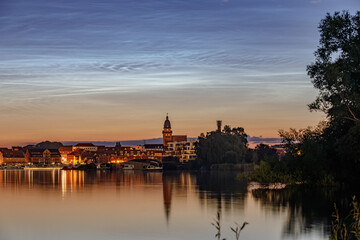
[167,133]
[167,194]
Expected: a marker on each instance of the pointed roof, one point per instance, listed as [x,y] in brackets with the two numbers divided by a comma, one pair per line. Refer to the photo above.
[167,122]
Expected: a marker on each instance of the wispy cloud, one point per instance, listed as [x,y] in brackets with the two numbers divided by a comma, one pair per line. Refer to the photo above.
[219,58]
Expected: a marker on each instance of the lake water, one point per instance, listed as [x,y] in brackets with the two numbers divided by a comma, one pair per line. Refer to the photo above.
[58,204]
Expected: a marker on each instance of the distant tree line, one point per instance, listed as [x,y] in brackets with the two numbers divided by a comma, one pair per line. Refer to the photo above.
[230,146]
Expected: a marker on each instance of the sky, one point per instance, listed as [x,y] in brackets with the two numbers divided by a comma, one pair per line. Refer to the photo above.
[110,70]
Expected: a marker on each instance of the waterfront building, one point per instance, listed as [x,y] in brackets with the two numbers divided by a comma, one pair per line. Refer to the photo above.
[184,150]
[74,157]
[177,145]
[47,156]
[154,151]
[168,136]
[154,147]
[141,148]
[88,152]
[64,151]
[12,157]
[86,147]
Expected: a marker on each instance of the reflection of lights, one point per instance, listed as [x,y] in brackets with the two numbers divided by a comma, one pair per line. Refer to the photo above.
[71,180]
[53,177]
[75,178]
[63,183]
[83,177]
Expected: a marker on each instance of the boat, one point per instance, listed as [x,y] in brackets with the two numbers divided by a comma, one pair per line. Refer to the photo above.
[142,164]
[67,167]
[153,168]
[105,166]
[128,167]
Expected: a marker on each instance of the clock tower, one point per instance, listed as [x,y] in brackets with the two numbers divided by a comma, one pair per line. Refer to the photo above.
[167,133]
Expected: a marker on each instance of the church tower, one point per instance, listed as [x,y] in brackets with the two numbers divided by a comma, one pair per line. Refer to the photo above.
[167,133]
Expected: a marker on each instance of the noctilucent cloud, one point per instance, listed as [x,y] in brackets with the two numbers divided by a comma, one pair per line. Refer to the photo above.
[111,70]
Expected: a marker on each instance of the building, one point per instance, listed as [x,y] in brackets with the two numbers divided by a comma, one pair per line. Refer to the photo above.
[167,132]
[153,151]
[12,157]
[42,156]
[168,136]
[74,157]
[64,151]
[177,145]
[184,150]
[89,153]
[155,147]
[86,147]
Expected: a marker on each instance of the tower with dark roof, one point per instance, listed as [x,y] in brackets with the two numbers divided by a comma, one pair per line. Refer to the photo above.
[167,132]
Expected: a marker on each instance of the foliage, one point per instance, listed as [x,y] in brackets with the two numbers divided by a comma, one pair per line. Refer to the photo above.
[263,152]
[217,225]
[305,156]
[226,146]
[269,173]
[336,71]
[327,154]
[330,152]
[237,229]
[347,228]
[49,145]
[270,168]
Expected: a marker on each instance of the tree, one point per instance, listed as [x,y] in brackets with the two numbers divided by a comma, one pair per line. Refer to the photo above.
[336,71]
[336,74]
[266,153]
[305,153]
[227,146]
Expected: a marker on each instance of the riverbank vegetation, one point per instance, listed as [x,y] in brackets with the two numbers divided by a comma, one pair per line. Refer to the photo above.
[330,152]
[348,227]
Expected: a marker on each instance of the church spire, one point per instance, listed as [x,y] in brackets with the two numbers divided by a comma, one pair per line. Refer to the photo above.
[167,133]
[167,123]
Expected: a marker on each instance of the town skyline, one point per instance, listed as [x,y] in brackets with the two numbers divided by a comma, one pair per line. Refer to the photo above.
[253,141]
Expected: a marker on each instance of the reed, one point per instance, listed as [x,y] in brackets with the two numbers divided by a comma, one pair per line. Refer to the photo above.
[348,227]
[236,229]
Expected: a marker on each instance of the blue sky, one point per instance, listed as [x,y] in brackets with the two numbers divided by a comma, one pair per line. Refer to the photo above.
[111,70]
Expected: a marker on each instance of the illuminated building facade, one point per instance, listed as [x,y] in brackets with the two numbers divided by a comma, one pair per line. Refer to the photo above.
[86,147]
[37,155]
[184,150]
[168,136]
[10,156]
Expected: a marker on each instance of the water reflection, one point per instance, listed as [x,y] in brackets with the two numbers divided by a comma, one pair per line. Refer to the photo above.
[307,207]
[221,189]
[188,201]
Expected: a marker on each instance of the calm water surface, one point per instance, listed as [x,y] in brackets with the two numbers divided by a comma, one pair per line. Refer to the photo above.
[56,204]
